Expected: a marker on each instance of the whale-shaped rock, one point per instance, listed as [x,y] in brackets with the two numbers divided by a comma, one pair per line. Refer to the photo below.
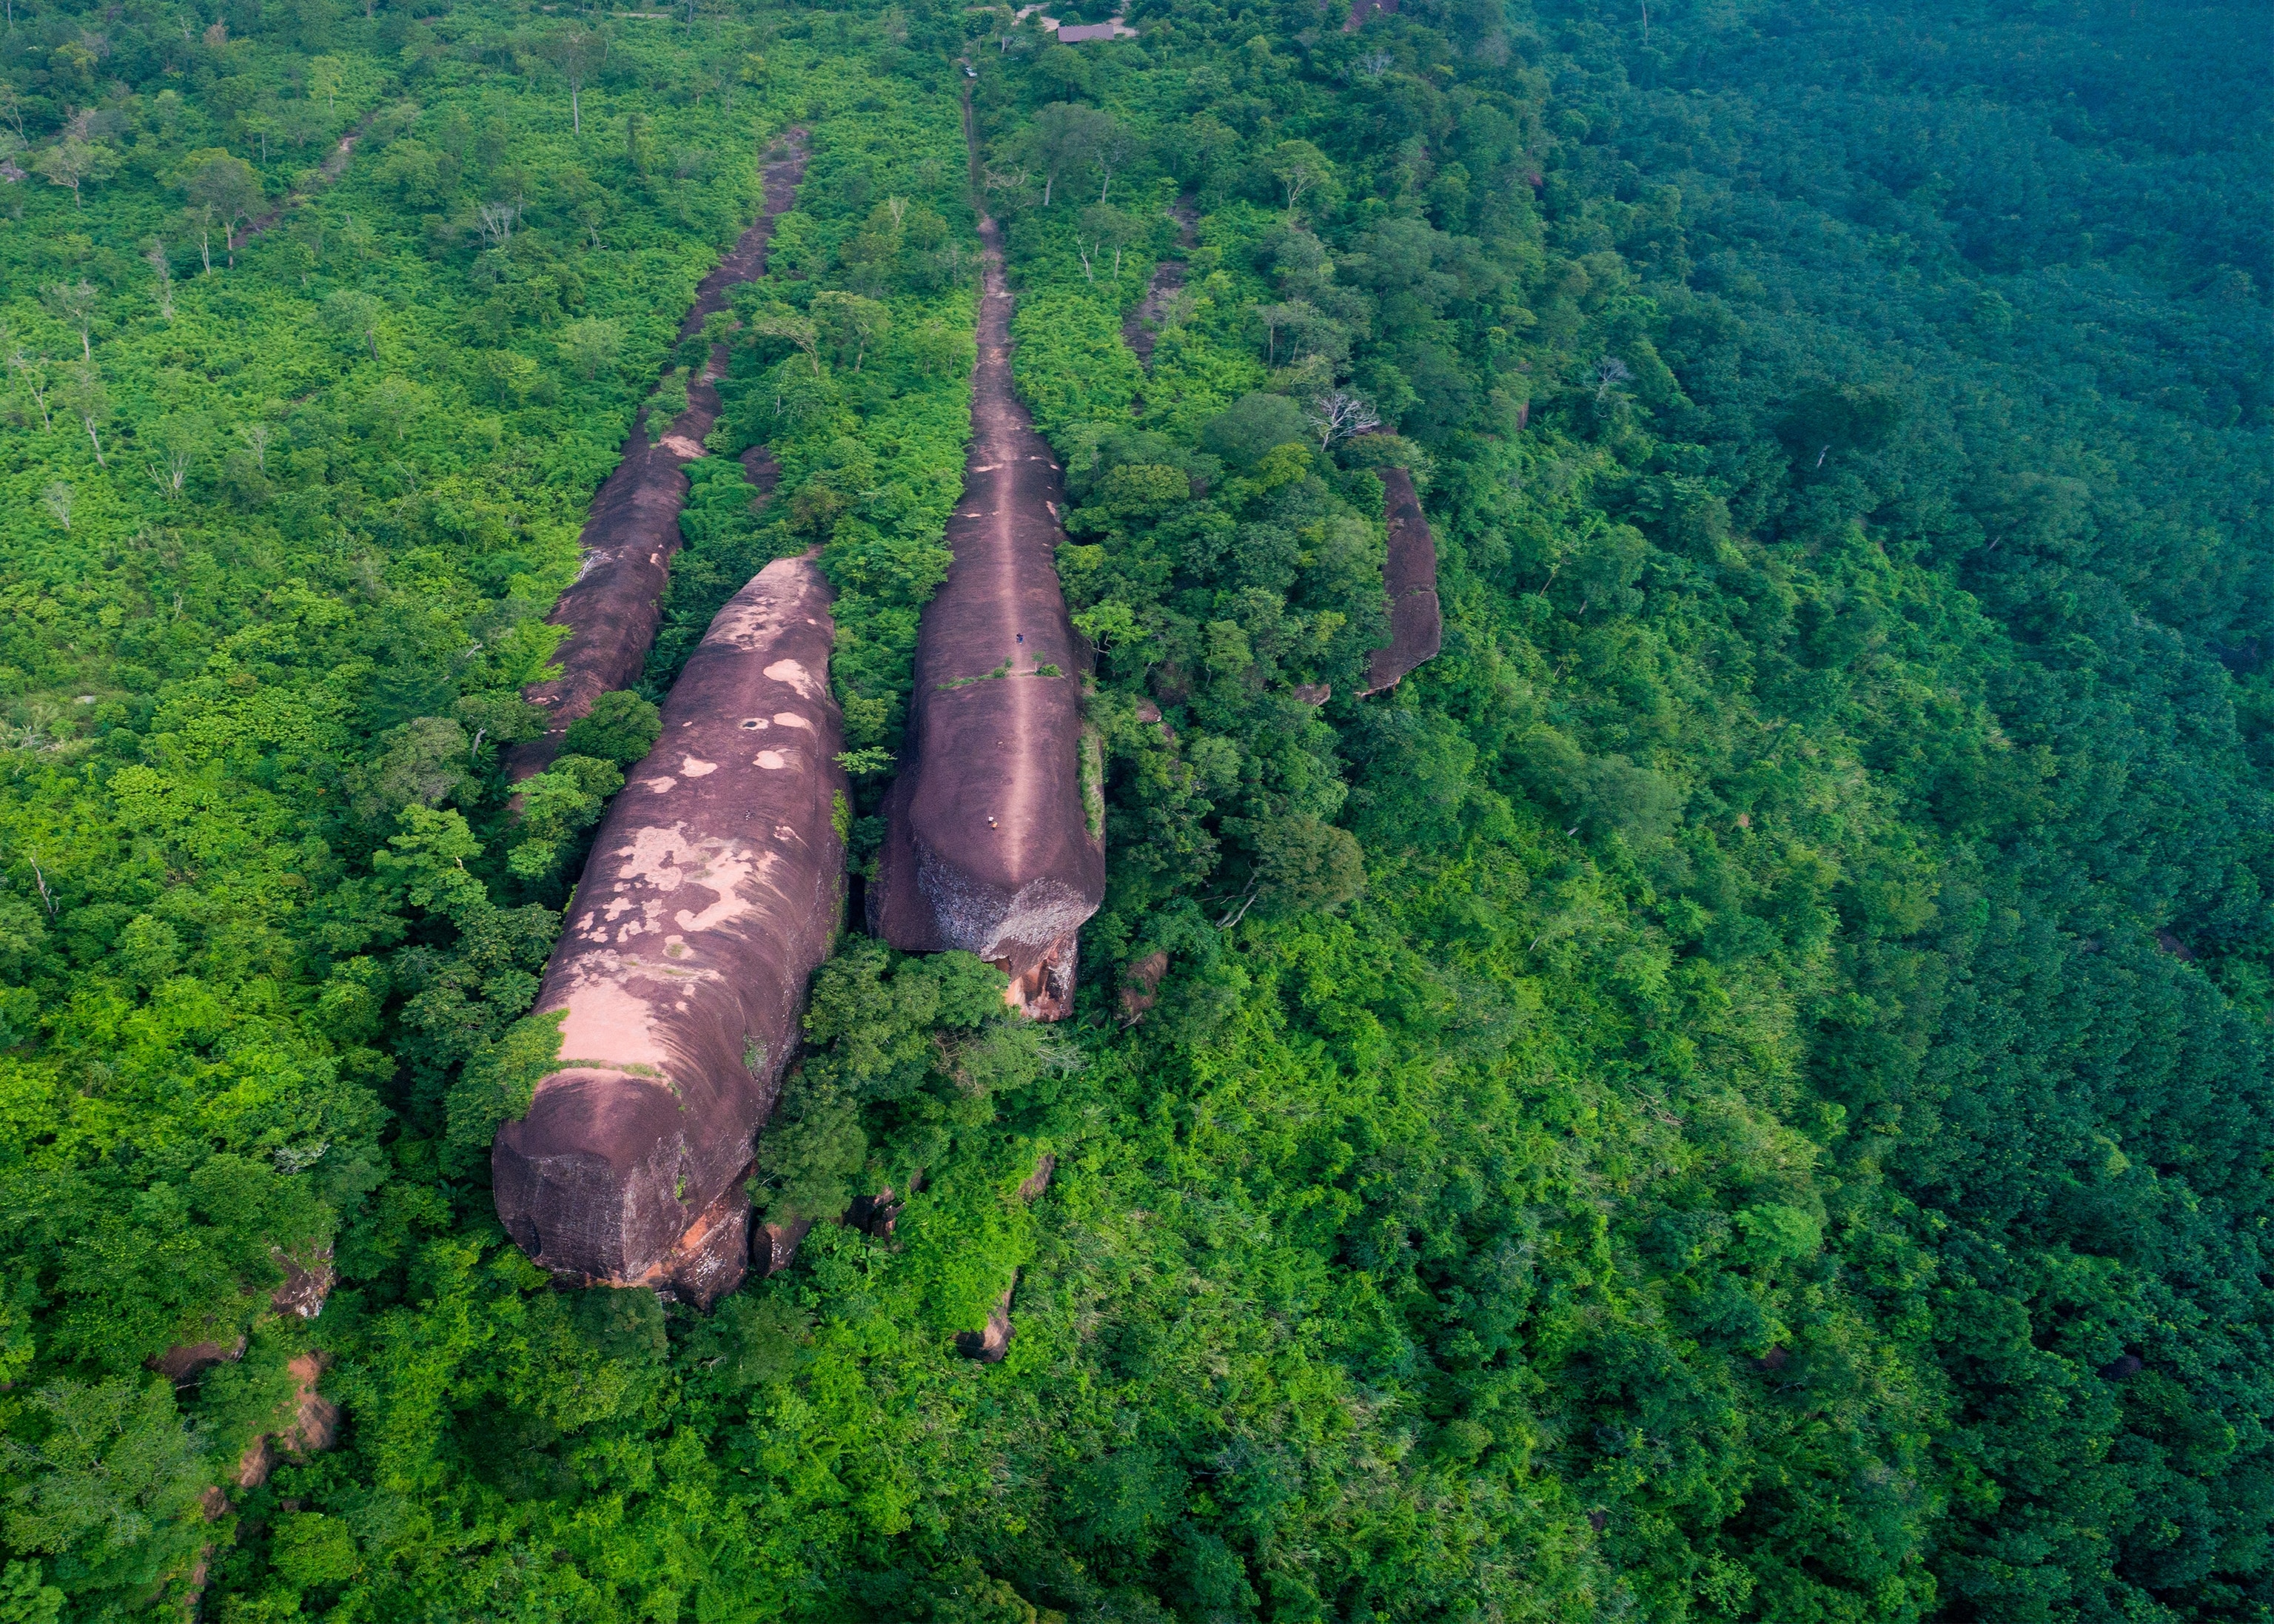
[1409,578]
[993,844]
[714,889]
[631,531]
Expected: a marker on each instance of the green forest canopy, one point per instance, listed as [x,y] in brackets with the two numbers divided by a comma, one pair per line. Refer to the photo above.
[1738,1092]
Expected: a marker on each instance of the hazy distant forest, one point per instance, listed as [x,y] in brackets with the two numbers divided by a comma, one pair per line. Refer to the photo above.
[1739,1091]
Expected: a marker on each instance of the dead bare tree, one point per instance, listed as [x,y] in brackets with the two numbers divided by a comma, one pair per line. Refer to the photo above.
[1338,414]
[497,221]
[32,371]
[578,53]
[154,255]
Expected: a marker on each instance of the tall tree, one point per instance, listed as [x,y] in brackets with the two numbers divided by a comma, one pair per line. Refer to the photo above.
[577,52]
[228,185]
[73,162]
[354,315]
[1067,138]
[1299,168]
[73,303]
[83,395]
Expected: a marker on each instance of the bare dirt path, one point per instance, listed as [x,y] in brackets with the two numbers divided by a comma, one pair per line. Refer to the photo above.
[988,845]
[612,608]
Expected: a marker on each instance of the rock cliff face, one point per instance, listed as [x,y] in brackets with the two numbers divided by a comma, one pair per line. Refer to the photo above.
[1409,579]
[632,531]
[714,889]
[991,846]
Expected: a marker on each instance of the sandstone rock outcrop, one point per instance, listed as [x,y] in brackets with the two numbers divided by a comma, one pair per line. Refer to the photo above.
[991,846]
[774,1247]
[991,1342]
[186,1362]
[1141,329]
[314,1427]
[1141,986]
[1409,579]
[616,602]
[308,1280]
[714,888]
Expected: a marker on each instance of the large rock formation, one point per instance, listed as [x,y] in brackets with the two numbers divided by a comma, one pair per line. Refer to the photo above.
[1410,578]
[714,889]
[991,846]
[1140,328]
[632,530]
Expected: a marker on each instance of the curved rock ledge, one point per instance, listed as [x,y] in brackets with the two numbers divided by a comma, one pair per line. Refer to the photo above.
[615,604]
[714,889]
[989,844]
[1409,577]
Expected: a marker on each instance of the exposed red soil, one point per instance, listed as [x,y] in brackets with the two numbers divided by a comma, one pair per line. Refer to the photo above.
[988,845]
[612,608]
[314,1427]
[715,888]
[1409,576]
[1360,9]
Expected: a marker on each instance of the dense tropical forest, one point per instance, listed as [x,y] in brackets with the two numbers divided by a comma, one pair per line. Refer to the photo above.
[1739,1090]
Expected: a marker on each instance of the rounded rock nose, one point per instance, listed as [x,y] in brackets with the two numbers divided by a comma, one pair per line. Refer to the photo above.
[587,1182]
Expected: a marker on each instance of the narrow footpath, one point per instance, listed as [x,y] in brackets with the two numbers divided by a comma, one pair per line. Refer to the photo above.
[612,608]
[989,847]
